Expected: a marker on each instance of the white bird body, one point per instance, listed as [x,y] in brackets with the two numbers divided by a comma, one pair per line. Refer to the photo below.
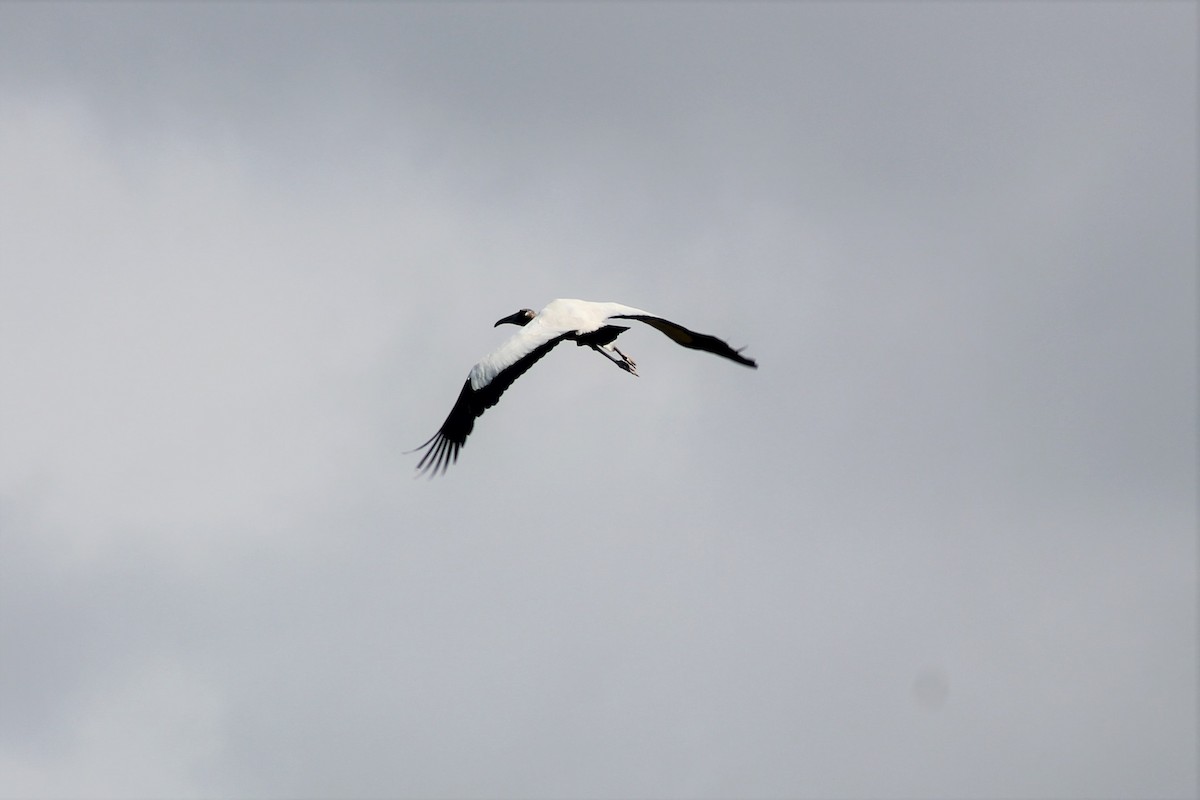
[581,321]
[557,318]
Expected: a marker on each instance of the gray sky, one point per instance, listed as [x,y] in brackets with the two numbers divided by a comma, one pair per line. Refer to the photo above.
[941,544]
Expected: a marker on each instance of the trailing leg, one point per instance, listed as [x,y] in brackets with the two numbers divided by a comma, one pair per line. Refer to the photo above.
[617,357]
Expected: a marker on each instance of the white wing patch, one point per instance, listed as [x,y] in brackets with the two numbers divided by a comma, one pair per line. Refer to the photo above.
[520,344]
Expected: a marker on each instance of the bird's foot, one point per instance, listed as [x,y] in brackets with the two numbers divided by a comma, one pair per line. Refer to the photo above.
[626,363]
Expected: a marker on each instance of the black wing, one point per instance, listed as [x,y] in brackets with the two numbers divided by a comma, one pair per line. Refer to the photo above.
[470,405]
[696,341]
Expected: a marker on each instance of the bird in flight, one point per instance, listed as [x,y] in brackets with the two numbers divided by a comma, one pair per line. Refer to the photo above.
[580,321]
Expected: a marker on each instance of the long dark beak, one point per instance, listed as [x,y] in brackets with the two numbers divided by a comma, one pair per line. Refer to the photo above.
[518,318]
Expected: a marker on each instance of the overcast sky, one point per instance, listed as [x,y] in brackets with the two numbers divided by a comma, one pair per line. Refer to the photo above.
[942,543]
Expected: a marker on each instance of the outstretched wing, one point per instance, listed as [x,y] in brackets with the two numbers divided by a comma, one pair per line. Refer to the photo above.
[696,341]
[482,389]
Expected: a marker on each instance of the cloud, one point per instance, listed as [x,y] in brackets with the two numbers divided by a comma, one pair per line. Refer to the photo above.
[946,530]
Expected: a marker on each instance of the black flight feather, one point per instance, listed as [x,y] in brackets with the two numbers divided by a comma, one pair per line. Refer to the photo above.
[470,405]
[696,341]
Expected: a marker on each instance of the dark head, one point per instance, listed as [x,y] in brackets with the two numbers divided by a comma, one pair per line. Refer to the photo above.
[522,317]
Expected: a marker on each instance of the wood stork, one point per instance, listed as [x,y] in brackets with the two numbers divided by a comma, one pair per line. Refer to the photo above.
[579,321]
